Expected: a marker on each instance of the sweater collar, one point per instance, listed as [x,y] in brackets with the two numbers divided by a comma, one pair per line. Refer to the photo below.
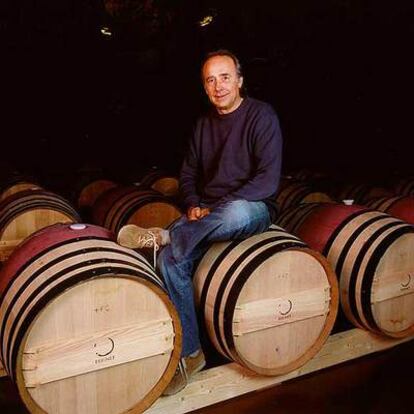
[233,114]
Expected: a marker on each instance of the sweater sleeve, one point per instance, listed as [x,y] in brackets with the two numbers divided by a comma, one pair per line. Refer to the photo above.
[188,176]
[267,156]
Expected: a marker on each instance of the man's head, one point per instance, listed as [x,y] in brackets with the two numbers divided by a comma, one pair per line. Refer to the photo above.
[222,80]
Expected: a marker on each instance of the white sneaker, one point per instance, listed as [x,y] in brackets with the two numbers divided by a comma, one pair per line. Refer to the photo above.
[136,237]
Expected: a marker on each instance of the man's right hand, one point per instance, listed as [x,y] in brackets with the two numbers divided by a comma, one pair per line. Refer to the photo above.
[197,213]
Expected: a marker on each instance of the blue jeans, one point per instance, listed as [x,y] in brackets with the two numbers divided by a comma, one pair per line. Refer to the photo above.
[190,240]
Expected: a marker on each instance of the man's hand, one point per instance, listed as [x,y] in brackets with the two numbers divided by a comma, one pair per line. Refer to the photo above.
[197,213]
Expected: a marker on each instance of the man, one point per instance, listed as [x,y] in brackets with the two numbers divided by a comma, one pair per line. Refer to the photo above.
[228,181]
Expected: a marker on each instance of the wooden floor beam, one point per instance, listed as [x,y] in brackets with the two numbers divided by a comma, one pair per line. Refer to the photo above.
[229,381]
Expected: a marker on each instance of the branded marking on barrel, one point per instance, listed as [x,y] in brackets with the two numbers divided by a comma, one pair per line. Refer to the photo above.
[406,286]
[105,356]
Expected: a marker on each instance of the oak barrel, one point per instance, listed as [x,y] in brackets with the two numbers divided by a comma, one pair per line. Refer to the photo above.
[269,302]
[15,186]
[372,254]
[86,325]
[401,207]
[25,212]
[292,193]
[131,205]
[362,192]
[161,181]
[91,191]
[292,218]
[405,187]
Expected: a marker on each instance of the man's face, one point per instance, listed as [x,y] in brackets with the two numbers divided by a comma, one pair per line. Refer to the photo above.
[222,83]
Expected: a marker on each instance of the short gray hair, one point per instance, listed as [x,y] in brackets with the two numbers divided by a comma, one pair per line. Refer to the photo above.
[224,52]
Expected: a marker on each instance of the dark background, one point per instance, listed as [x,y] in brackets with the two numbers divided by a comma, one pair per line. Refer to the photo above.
[338,72]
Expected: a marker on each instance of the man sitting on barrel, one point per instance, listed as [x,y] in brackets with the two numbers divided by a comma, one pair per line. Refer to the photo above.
[228,182]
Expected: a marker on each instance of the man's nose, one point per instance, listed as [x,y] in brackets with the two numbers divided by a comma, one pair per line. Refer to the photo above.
[218,85]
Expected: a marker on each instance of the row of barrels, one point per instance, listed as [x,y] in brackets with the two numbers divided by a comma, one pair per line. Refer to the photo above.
[69,314]
[292,193]
[30,210]
[292,190]
[88,192]
[76,339]
[395,185]
[26,208]
[91,185]
[74,335]
[372,254]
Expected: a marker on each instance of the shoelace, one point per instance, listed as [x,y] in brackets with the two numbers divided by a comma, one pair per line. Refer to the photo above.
[150,240]
[182,368]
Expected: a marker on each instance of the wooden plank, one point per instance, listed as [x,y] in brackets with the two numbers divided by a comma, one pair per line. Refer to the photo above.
[222,383]
[267,313]
[2,371]
[392,285]
[69,358]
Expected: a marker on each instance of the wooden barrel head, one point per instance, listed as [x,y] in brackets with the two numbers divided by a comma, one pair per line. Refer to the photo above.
[155,214]
[391,303]
[166,185]
[92,191]
[96,349]
[283,310]
[317,197]
[161,181]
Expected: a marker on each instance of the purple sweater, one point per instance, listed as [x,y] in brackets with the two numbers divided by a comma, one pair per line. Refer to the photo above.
[234,156]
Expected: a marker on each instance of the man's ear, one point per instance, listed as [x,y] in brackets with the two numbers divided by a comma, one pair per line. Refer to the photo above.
[240,83]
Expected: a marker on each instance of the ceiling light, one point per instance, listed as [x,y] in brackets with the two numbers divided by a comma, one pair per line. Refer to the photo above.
[206,20]
[105,31]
